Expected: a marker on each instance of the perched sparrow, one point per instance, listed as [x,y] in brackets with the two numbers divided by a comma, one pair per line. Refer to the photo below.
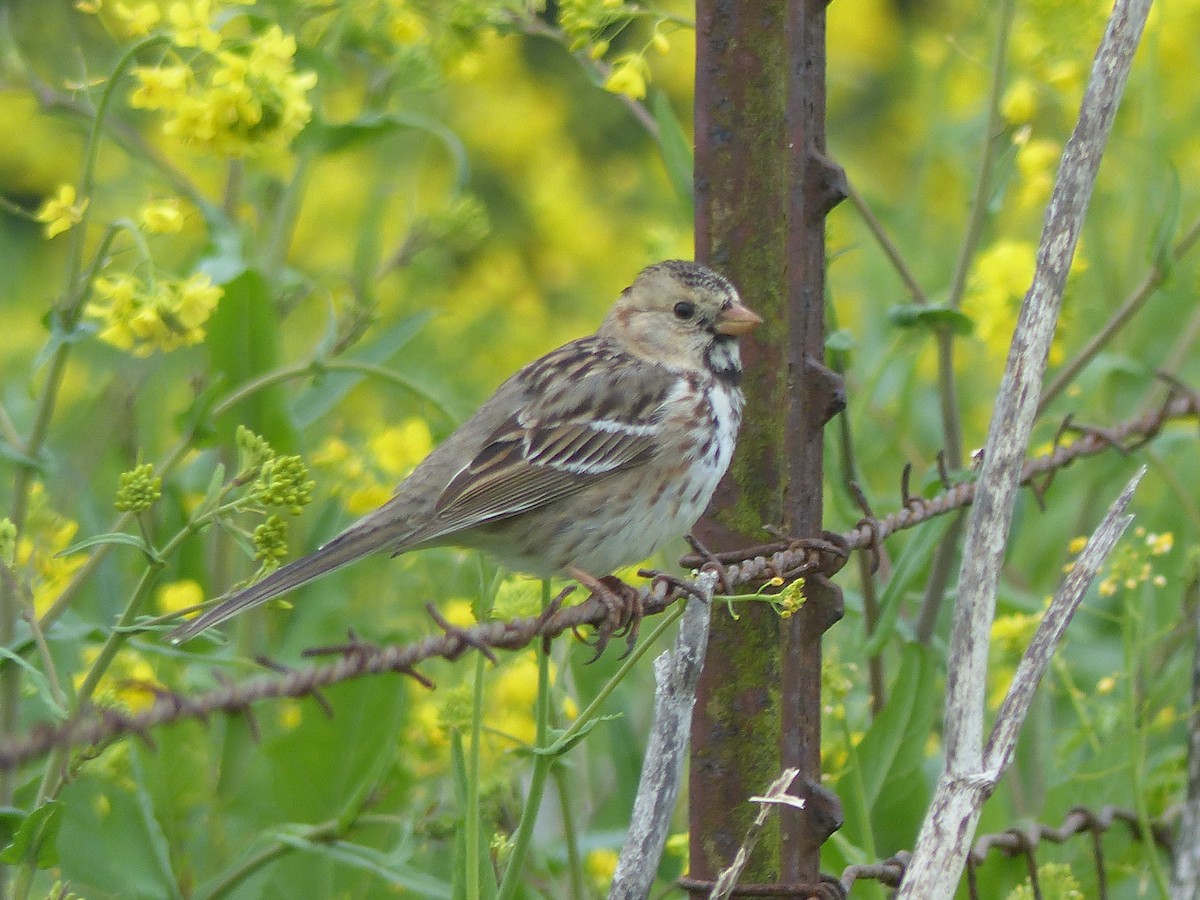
[584,461]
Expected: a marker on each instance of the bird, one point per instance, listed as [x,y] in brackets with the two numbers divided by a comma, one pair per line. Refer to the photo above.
[586,460]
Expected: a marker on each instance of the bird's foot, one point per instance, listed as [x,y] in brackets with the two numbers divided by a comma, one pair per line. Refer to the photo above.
[624,609]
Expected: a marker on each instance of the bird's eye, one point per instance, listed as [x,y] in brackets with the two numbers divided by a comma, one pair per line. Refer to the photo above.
[684,310]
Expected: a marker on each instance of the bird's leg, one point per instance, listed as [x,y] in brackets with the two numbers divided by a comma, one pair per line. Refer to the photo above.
[622,603]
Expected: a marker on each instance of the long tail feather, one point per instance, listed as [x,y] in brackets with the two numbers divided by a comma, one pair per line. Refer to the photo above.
[357,541]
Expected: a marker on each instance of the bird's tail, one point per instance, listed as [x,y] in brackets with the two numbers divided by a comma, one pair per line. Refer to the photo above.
[358,540]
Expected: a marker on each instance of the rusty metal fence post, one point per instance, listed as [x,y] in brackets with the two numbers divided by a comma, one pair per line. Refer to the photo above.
[763,188]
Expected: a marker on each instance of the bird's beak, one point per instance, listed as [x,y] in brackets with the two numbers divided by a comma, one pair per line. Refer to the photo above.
[736,319]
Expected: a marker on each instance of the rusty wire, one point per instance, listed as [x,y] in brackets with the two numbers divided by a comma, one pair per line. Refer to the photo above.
[786,559]
[1024,841]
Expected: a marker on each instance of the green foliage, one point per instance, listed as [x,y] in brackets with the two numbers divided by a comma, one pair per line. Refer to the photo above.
[280,249]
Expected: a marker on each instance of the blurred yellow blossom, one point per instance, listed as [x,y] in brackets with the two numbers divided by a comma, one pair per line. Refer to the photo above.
[238,102]
[601,865]
[179,595]
[400,448]
[129,681]
[139,20]
[162,216]
[1160,543]
[458,613]
[628,76]
[61,212]
[290,714]
[1037,162]
[191,24]
[405,25]
[45,535]
[160,87]
[1019,104]
[165,315]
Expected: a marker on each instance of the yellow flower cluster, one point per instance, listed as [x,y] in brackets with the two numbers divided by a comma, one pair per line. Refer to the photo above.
[45,535]
[129,682]
[365,482]
[163,315]
[1130,566]
[232,97]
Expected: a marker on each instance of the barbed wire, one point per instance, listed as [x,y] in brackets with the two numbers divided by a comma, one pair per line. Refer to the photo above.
[784,559]
[1024,841]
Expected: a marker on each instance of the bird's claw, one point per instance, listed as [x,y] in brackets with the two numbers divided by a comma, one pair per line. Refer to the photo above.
[624,608]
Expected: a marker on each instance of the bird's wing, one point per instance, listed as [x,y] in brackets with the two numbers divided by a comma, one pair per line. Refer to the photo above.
[589,413]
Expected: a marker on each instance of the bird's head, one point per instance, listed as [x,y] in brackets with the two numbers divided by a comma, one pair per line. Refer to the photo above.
[682,315]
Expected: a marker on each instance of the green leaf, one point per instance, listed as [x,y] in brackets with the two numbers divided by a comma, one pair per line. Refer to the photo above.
[329,389]
[932,317]
[10,820]
[244,344]
[387,867]
[887,762]
[36,838]
[675,147]
[910,564]
[840,341]
[112,537]
[40,682]
[558,746]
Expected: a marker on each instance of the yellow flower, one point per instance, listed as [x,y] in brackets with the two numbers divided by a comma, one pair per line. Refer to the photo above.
[140,20]
[628,77]
[1036,163]
[1077,544]
[291,714]
[197,299]
[160,87]
[61,212]
[458,613]
[364,499]
[162,216]
[516,686]
[406,27]
[165,316]
[1160,543]
[1019,105]
[400,448]
[178,595]
[129,681]
[192,24]
[600,865]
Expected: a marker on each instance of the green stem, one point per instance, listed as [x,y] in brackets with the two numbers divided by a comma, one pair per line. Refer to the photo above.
[326,832]
[888,246]
[471,813]
[537,781]
[979,203]
[570,838]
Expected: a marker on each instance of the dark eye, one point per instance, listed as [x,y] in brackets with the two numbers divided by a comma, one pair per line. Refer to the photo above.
[684,310]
